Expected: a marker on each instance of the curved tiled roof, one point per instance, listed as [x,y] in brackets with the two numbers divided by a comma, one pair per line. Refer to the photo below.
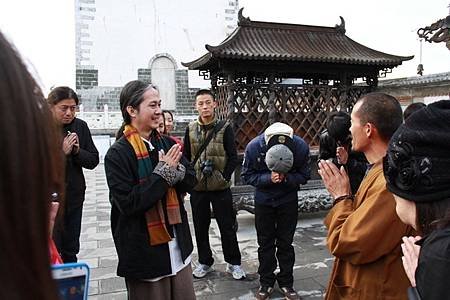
[416,80]
[253,40]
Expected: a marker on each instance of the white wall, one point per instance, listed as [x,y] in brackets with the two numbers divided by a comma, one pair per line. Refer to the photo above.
[431,99]
[163,76]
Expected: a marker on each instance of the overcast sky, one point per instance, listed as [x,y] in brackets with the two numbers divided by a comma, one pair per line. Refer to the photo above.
[43,30]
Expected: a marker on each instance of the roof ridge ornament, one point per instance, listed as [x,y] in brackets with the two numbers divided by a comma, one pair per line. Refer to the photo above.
[242,21]
[437,32]
[341,27]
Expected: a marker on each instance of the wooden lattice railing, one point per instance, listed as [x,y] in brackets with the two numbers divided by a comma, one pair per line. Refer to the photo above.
[303,107]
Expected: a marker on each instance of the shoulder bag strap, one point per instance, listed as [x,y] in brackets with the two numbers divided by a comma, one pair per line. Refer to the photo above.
[208,139]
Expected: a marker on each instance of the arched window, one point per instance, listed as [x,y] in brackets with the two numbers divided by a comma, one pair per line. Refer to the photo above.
[163,76]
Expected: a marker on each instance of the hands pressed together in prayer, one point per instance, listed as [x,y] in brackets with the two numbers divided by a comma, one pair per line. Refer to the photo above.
[277,177]
[341,155]
[169,166]
[336,180]
[172,157]
[410,257]
[71,144]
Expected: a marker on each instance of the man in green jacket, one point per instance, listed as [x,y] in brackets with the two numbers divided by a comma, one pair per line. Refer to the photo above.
[213,166]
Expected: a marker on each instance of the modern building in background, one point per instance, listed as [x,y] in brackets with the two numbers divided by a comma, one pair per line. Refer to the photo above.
[118,41]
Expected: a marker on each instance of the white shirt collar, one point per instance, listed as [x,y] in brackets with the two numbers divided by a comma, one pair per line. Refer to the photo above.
[148,143]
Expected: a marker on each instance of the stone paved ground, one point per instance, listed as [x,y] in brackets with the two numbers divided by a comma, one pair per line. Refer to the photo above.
[311,270]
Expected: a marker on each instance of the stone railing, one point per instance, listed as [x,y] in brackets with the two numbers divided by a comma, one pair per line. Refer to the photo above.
[112,120]
[101,119]
[312,197]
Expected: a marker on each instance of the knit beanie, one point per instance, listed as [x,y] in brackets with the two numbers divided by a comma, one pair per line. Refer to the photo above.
[417,163]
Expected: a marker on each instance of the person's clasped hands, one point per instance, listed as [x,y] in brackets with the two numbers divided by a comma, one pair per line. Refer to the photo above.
[410,257]
[169,167]
[336,180]
[341,155]
[71,143]
[277,177]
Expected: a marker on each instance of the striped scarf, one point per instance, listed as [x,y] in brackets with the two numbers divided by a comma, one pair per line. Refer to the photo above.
[156,225]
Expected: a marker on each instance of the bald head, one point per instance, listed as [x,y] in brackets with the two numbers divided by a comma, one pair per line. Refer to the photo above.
[381,110]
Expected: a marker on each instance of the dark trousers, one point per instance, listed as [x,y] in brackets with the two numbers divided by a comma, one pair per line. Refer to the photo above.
[67,238]
[275,227]
[222,205]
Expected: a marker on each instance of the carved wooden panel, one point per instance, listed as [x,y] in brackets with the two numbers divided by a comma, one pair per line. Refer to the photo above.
[221,98]
[304,107]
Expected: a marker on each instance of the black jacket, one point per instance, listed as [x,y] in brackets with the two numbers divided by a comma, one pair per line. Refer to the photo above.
[129,202]
[433,269]
[87,158]
[356,165]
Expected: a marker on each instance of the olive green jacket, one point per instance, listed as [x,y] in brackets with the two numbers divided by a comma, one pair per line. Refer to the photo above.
[221,151]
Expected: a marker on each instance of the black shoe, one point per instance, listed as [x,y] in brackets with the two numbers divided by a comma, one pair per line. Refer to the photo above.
[264,292]
[290,294]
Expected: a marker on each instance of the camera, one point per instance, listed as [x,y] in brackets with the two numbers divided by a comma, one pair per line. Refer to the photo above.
[207,167]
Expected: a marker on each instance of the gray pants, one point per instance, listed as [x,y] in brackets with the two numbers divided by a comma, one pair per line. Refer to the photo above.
[175,287]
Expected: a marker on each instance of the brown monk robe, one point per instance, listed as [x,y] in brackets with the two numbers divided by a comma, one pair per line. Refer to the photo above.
[365,236]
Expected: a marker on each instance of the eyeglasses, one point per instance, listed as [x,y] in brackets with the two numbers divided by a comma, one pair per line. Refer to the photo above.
[64,108]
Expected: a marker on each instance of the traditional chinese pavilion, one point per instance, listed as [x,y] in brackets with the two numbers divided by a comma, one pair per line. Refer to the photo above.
[266,72]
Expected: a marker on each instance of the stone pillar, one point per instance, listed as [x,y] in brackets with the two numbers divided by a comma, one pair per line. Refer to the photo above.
[106,116]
